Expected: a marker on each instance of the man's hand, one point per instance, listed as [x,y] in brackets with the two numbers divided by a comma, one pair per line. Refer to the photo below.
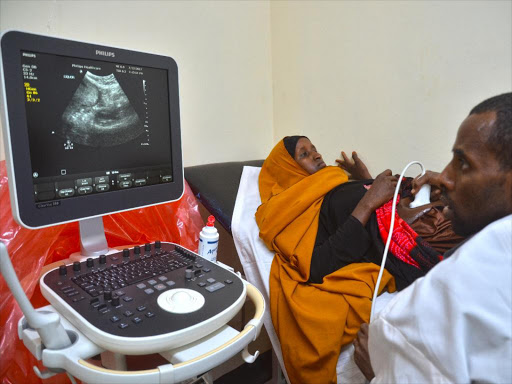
[354,166]
[432,178]
[361,355]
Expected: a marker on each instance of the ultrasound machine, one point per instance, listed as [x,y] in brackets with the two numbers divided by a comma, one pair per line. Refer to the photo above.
[90,130]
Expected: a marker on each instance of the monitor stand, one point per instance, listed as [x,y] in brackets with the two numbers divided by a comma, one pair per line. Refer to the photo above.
[92,239]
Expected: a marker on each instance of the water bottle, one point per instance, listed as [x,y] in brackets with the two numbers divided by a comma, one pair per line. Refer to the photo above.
[209,241]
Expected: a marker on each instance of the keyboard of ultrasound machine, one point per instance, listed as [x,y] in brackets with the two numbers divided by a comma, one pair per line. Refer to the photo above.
[117,293]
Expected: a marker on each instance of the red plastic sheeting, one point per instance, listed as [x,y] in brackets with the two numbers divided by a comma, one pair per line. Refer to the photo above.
[178,222]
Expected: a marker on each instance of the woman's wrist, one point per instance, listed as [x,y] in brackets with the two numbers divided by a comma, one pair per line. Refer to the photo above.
[363,211]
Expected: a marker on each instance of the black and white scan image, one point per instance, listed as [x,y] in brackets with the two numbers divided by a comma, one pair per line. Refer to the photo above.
[91,116]
[100,114]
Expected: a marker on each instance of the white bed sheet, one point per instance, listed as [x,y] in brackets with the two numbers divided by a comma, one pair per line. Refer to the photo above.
[256,261]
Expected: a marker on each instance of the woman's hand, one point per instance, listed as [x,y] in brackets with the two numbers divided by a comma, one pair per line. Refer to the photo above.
[354,166]
[381,192]
[432,178]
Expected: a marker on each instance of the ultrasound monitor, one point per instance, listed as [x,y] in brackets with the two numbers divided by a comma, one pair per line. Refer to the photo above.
[88,129]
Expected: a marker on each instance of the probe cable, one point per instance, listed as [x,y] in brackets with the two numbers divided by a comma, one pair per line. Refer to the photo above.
[390,234]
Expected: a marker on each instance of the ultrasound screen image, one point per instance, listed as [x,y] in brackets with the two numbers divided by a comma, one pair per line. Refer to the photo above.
[100,114]
[94,117]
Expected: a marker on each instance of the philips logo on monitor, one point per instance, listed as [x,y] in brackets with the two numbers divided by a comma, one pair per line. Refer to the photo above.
[105,53]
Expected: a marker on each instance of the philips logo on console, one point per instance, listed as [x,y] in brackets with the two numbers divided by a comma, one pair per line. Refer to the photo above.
[105,53]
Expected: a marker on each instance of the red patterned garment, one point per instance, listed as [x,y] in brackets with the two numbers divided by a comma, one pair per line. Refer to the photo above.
[405,244]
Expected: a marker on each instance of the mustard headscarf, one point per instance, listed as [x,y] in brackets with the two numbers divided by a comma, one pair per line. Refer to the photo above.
[312,321]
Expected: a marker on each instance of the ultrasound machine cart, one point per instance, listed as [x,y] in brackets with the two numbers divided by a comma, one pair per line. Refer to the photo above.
[191,351]
[92,130]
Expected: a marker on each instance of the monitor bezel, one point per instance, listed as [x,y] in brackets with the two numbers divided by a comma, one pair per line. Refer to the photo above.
[16,139]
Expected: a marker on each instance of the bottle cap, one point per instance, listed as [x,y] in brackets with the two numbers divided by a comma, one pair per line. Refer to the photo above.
[211,221]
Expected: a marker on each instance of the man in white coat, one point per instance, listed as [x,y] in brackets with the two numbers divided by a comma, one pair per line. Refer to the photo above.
[455,324]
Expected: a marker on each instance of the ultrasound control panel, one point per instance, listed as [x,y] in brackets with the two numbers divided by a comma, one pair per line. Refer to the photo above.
[144,294]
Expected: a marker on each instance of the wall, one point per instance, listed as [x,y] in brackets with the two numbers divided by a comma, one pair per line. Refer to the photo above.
[390,79]
[221,47]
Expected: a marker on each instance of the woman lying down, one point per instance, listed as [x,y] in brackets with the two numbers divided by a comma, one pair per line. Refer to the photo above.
[328,235]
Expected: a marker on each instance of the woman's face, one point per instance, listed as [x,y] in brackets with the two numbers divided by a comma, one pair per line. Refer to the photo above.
[307,156]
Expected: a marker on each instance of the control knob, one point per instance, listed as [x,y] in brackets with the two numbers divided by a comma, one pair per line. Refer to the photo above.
[63,270]
[103,259]
[189,273]
[126,252]
[89,262]
[76,266]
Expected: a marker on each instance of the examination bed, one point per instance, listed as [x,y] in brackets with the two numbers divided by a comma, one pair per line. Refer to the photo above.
[230,192]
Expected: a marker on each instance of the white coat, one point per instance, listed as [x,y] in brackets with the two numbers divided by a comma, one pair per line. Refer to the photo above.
[454,324]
